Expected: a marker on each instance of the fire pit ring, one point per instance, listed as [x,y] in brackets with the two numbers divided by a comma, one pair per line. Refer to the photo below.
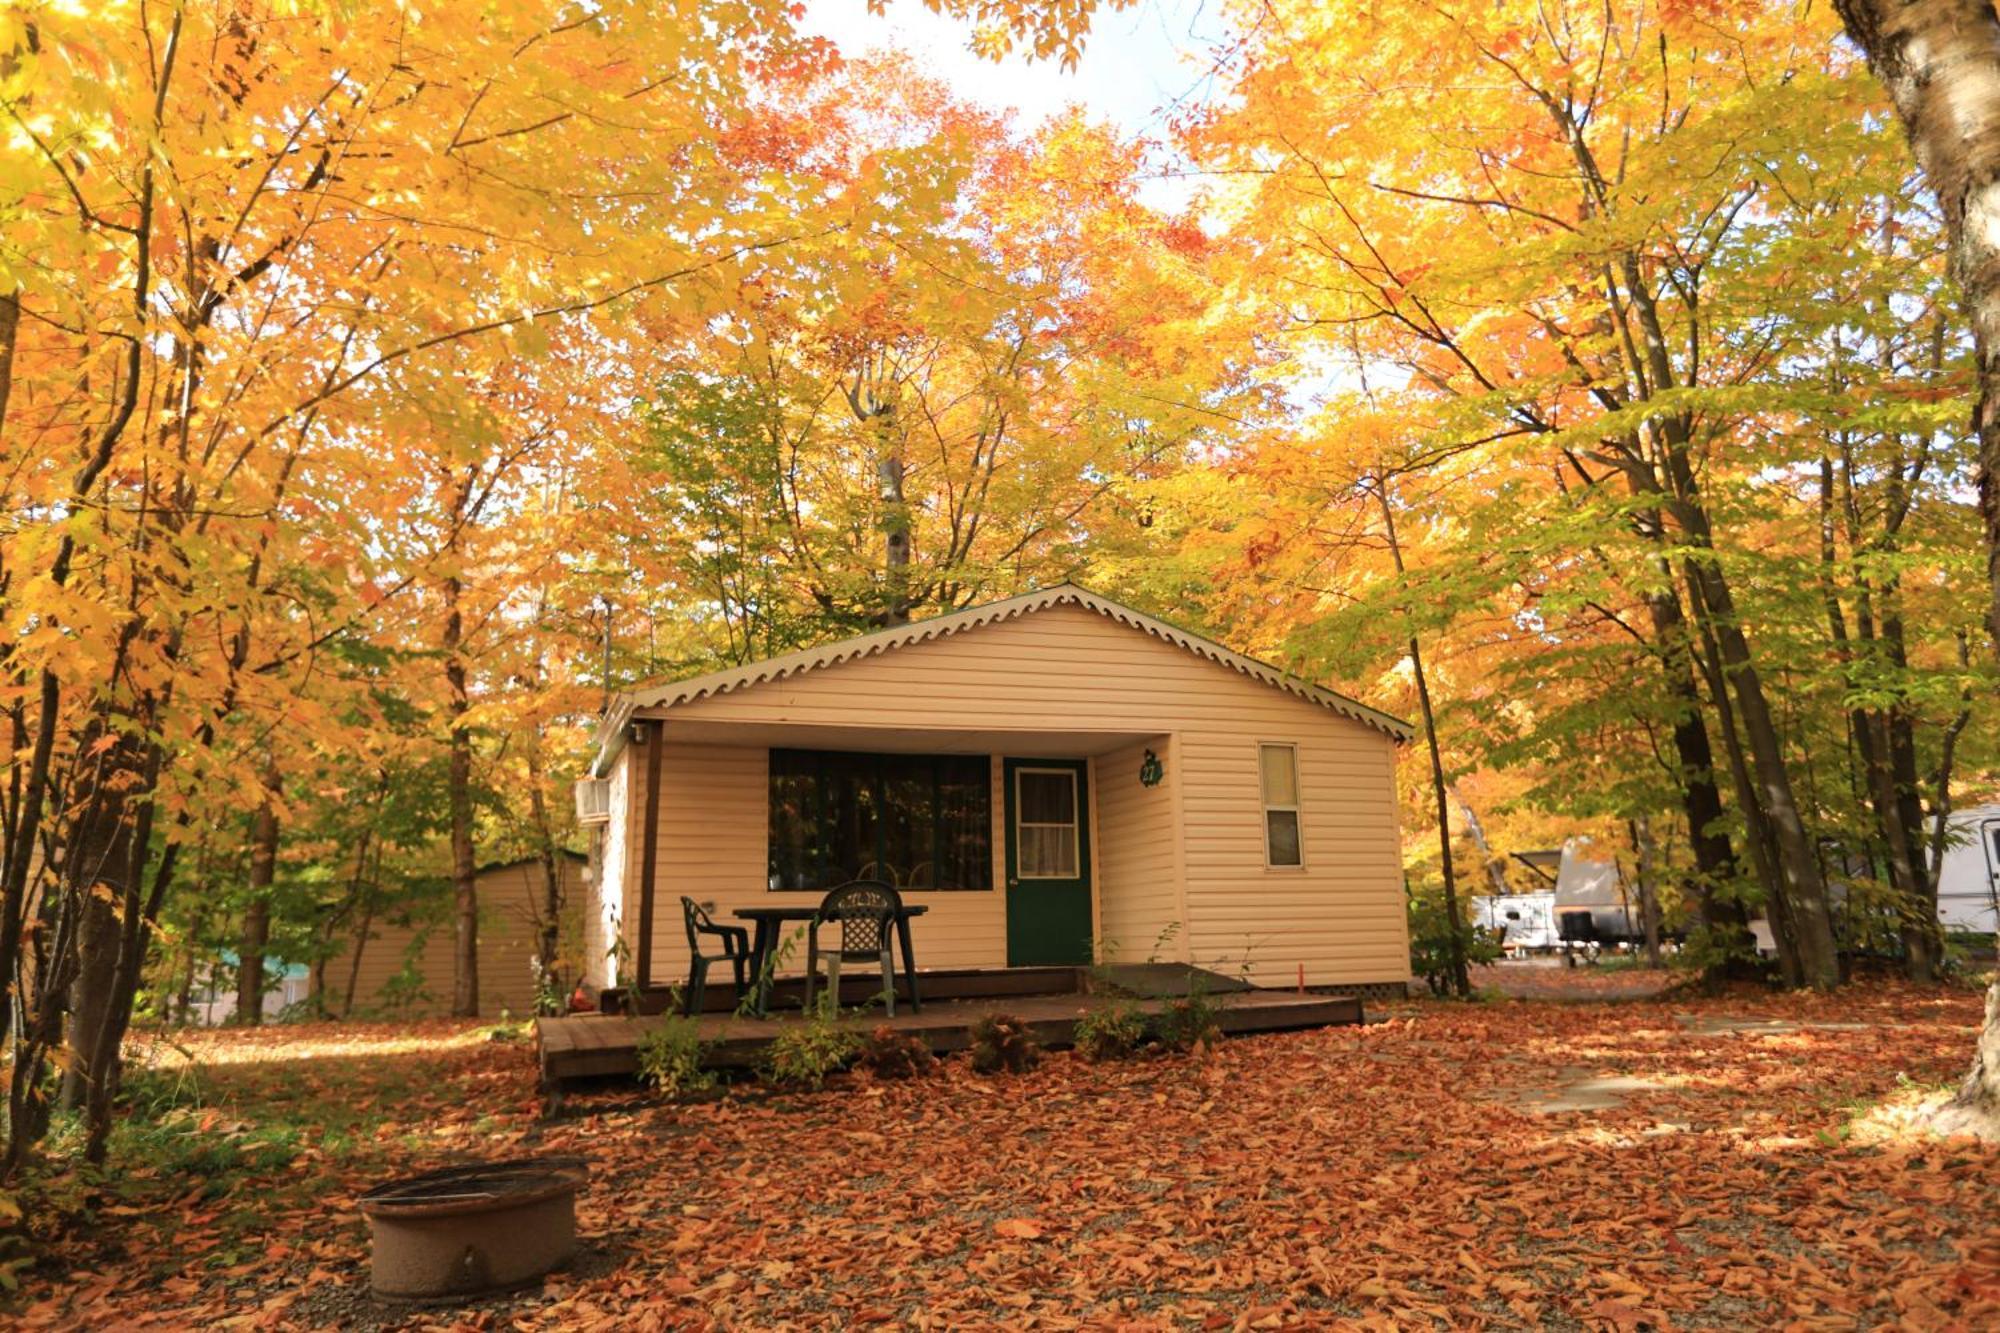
[472,1229]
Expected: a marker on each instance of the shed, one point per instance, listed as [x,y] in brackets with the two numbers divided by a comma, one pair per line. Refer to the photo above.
[404,966]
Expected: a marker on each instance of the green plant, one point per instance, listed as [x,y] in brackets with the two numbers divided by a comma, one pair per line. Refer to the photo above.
[671,1056]
[167,1077]
[209,1146]
[1003,1042]
[620,954]
[551,998]
[805,1052]
[776,958]
[1431,942]
[508,1028]
[1110,1032]
[891,1054]
[1189,1022]
[406,989]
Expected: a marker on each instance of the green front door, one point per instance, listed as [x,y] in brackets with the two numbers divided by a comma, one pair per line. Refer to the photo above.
[1048,862]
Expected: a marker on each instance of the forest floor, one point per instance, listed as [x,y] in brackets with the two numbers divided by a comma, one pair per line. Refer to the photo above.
[1613,977]
[1663,1162]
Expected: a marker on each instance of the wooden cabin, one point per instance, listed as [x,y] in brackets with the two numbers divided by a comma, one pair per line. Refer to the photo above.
[1055,778]
[404,967]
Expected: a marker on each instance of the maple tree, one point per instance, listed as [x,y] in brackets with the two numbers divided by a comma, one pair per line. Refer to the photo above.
[1615,375]
[973,402]
[379,389]
[240,242]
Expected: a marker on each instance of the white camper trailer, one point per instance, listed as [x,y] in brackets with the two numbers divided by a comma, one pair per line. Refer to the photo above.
[1969,879]
[1525,922]
[1587,885]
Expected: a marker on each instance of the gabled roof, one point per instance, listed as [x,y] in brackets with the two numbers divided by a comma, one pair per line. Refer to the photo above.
[656,699]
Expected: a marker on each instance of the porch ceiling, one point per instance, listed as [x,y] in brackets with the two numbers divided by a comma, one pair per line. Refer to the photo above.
[1069,744]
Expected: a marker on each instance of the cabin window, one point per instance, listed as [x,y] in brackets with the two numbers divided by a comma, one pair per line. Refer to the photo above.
[912,820]
[1048,844]
[1279,771]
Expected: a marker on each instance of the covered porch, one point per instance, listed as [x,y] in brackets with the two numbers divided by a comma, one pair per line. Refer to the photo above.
[1027,852]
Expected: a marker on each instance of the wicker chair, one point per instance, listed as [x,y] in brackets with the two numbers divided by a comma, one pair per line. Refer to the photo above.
[735,941]
[864,912]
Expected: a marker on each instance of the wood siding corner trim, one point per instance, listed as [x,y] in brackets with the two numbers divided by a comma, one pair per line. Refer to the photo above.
[649,851]
[1176,757]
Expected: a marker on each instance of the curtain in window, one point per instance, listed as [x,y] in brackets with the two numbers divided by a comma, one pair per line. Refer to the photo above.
[914,821]
[1046,824]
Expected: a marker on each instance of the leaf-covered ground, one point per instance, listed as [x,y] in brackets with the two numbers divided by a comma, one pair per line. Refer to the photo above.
[1392,1174]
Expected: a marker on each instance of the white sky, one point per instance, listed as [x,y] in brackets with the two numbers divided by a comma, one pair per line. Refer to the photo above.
[1136,64]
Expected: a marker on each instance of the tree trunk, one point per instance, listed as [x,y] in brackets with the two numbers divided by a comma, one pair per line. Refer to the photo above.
[1460,979]
[464,871]
[97,884]
[256,936]
[1714,859]
[1798,862]
[548,925]
[1923,936]
[1645,856]
[1940,61]
[895,518]
[1763,848]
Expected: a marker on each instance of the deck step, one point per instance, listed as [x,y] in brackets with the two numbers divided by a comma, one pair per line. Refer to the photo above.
[596,1045]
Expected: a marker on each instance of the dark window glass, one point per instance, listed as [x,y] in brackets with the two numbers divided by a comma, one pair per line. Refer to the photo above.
[1281,832]
[914,821]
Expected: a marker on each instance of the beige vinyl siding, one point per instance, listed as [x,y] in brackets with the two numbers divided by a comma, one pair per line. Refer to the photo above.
[507,912]
[1340,915]
[714,831]
[1068,669]
[1136,842]
[389,946]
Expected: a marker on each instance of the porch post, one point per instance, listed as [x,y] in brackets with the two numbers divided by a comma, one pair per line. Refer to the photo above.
[649,854]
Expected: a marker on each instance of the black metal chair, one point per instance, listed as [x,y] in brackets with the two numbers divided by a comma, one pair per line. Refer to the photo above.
[865,912]
[735,951]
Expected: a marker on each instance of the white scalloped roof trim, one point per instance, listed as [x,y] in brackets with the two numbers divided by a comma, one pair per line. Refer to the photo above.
[1064,594]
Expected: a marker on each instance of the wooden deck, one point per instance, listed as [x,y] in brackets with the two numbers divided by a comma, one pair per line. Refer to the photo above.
[594,1045]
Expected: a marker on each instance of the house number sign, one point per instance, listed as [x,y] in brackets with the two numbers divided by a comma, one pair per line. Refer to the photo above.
[1151,770]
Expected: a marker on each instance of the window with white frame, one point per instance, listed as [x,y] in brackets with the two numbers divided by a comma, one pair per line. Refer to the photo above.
[1046,824]
[1278,766]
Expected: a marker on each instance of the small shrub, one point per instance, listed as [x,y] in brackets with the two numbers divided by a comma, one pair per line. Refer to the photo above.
[892,1054]
[1431,941]
[1188,1022]
[1003,1042]
[550,997]
[671,1055]
[1110,1032]
[805,1052]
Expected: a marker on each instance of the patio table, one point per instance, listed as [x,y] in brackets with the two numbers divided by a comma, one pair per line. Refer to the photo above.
[769,920]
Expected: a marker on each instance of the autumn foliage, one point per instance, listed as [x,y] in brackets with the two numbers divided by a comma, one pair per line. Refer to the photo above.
[384,386]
